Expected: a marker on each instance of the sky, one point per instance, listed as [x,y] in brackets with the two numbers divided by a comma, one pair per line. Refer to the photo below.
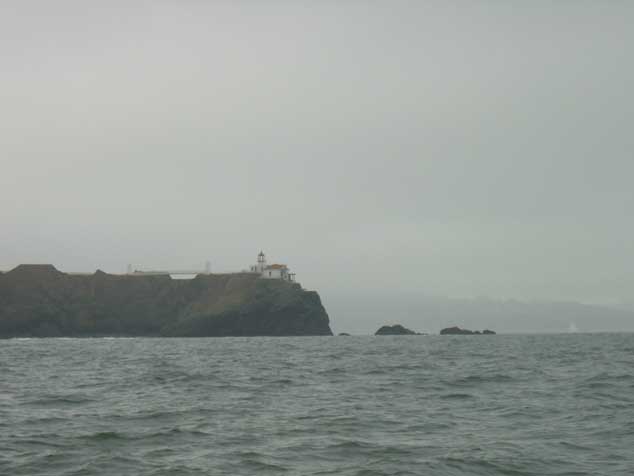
[395,149]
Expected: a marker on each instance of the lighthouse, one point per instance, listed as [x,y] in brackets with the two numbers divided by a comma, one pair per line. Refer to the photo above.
[272,271]
[261,266]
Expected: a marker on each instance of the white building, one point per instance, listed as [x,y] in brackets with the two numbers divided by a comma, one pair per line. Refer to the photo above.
[272,271]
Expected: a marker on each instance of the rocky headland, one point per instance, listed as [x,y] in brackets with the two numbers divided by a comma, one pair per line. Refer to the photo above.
[40,301]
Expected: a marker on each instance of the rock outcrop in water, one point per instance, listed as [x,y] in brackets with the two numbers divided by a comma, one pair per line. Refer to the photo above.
[395,330]
[458,331]
[40,301]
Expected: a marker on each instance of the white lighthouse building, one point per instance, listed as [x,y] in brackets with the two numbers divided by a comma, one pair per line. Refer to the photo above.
[272,271]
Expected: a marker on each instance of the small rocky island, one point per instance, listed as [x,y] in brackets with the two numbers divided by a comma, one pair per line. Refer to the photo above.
[455,330]
[395,330]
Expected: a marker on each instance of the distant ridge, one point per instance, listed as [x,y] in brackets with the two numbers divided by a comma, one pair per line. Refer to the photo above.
[34,269]
[431,314]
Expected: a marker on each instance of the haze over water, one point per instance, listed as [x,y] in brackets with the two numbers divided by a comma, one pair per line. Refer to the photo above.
[385,149]
[476,405]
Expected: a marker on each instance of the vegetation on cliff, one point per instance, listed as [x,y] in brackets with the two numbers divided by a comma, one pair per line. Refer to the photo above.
[39,300]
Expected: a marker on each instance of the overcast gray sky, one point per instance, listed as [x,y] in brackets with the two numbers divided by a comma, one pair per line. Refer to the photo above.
[441,148]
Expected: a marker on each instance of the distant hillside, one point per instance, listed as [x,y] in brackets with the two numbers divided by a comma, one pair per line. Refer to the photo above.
[430,314]
[39,300]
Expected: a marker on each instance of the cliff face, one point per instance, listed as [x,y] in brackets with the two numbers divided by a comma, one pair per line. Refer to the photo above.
[39,300]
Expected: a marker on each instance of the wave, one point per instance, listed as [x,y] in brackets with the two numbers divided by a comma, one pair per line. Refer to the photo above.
[59,400]
[104,436]
[453,396]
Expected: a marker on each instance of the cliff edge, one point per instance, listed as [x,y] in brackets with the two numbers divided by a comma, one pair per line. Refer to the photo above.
[40,301]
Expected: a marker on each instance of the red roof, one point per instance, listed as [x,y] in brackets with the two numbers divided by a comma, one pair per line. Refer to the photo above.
[277,266]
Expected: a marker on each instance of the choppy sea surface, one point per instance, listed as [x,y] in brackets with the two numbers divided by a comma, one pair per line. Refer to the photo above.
[391,405]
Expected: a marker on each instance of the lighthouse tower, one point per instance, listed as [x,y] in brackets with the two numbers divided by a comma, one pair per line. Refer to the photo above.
[261,266]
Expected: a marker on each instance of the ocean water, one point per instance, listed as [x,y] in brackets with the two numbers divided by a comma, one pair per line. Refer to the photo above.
[401,405]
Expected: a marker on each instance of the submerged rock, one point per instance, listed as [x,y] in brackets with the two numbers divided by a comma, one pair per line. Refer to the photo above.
[394,330]
[455,330]
[344,334]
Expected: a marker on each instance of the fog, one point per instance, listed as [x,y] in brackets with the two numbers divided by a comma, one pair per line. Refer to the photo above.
[388,152]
